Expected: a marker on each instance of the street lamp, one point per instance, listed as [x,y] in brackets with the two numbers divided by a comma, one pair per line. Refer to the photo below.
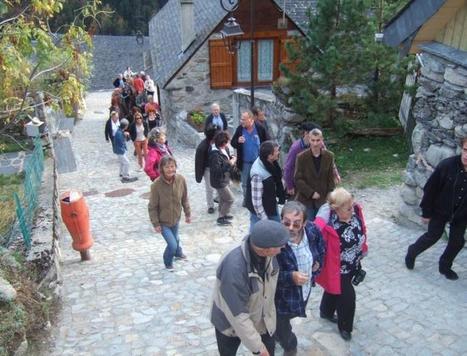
[232,26]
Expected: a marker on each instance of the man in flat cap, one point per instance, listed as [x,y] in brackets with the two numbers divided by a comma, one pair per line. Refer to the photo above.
[243,309]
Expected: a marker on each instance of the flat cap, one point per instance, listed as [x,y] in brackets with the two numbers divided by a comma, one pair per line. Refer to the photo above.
[269,233]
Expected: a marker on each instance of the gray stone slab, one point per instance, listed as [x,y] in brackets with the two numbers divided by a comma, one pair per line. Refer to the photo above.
[66,123]
[66,162]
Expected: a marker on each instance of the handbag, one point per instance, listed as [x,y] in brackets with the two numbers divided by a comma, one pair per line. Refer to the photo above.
[235,174]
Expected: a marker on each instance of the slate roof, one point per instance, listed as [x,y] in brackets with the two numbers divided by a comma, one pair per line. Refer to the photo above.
[405,25]
[165,39]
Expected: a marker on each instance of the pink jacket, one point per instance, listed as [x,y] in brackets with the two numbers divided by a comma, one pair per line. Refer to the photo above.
[330,276]
[151,166]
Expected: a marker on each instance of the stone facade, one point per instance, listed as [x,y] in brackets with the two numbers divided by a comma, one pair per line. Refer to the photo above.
[440,113]
[112,54]
[191,89]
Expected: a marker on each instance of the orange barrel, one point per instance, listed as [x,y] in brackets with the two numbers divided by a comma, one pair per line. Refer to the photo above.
[75,215]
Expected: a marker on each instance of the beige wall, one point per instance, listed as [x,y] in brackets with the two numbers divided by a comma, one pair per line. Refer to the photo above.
[455,33]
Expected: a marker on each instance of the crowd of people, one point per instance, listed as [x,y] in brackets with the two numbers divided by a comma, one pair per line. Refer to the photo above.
[319,235]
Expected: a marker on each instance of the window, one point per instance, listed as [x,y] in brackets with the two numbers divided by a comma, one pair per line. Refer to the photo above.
[264,65]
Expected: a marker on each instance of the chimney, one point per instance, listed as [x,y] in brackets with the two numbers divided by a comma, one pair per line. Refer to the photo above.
[187,23]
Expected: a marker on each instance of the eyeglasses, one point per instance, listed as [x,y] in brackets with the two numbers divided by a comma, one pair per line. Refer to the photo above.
[295,224]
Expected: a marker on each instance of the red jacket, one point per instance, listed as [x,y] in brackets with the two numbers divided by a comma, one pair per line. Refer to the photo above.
[330,276]
[151,166]
[138,83]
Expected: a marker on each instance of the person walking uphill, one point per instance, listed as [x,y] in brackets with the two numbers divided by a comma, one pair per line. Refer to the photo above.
[300,262]
[169,194]
[246,140]
[243,309]
[444,200]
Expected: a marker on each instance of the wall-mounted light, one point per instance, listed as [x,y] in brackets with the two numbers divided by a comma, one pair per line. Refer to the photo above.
[230,30]
[379,37]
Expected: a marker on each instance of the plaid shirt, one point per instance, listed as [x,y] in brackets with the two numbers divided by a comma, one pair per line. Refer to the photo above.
[304,259]
[289,297]
[257,196]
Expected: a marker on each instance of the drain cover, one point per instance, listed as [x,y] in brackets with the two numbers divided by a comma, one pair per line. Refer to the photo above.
[119,192]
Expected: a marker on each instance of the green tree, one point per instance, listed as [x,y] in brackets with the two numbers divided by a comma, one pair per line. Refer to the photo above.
[339,52]
[329,57]
[33,59]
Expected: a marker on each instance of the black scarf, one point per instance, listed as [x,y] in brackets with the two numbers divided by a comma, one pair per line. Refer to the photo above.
[276,172]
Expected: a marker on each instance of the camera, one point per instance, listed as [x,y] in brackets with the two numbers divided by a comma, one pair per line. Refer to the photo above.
[358,277]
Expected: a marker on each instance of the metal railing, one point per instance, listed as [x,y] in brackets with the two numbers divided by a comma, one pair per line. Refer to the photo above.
[26,203]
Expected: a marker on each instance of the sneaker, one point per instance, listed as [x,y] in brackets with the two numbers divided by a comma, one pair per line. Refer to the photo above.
[182,257]
[129,179]
[211,210]
[228,217]
[409,261]
[223,222]
[169,268]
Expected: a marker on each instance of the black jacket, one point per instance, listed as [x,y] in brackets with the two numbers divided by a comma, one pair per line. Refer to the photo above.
[132,130]
[108,130]
[202,159]
[219,168]
[439,191]
[209,121]
[263,136]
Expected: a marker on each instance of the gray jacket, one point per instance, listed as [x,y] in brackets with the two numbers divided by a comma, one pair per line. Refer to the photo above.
[243,303]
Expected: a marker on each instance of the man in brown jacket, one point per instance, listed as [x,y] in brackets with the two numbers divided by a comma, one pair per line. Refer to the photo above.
[314,174]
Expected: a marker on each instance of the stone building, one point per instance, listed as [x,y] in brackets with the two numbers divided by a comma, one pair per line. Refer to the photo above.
[193,66]
[437,32]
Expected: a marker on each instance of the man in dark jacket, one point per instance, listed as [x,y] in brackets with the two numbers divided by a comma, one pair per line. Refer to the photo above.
[444,200]
[216,117]
[265,188]
[314,174]
[111,127]
[246,140]
[300,262]
[202,164]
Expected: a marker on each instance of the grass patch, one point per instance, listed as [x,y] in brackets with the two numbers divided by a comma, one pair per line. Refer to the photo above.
[370,161]
[8,145]
[8,185]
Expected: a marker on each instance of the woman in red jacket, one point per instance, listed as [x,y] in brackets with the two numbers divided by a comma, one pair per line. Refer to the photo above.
[343,227]
[157,148]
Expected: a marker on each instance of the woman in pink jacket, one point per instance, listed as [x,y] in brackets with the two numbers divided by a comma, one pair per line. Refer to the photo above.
[343,227]
[157,148]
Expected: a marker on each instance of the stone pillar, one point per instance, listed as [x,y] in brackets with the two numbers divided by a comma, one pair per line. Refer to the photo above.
[440,113]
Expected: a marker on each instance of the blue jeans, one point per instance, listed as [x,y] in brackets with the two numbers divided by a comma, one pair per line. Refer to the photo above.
[254,219]
[246,168]
[173,249]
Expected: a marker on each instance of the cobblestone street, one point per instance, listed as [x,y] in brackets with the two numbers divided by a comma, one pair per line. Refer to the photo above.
[124,302]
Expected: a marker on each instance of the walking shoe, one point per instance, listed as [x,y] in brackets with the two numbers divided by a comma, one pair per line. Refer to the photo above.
[223,221]
[182,257]
[409,261]
[129,179]
[449,273]
[332,319]
[211,210]
[346,335]
[228,217]
[290,352]
[169,268]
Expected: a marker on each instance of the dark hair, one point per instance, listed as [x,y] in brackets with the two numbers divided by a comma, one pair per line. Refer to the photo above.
[267,148]
[211,131]
[221,138]
[255,110]
[308,126]
[463,140]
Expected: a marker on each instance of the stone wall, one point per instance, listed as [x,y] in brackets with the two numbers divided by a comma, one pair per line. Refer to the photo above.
[113,54]
[191,89]
[440,113]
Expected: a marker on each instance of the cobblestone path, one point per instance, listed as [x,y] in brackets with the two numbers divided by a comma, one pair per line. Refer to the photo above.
[123,302]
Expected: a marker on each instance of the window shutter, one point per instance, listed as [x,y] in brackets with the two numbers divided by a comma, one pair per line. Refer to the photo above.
[285,60]
[220,61]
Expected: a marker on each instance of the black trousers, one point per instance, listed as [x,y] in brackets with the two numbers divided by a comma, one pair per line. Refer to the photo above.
[435,230]
[343,303]
[284,333]
[228,345]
